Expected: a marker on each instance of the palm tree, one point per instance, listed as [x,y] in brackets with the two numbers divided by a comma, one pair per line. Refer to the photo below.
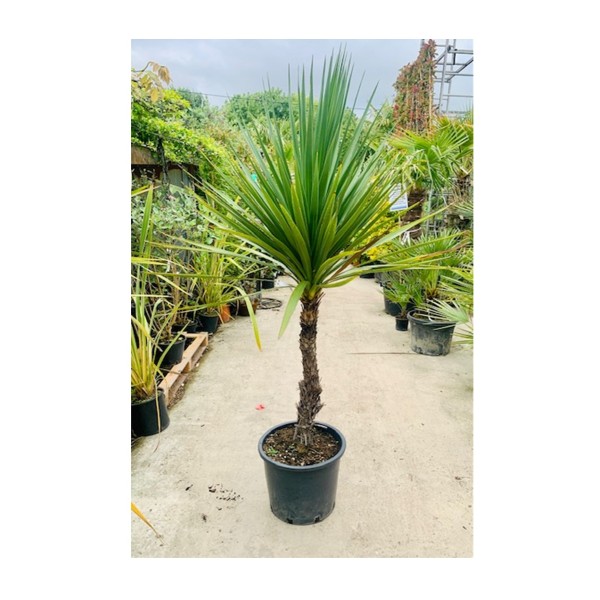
[314,210]
[431,161]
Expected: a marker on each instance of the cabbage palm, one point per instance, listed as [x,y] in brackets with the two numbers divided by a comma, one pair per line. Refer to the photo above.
[314,211]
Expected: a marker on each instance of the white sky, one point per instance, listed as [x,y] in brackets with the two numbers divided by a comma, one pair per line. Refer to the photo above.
[225,67]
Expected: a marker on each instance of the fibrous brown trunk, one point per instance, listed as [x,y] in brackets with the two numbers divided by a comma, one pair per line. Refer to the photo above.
[416,201]
[310,386]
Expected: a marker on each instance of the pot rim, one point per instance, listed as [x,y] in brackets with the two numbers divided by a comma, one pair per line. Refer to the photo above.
[177,337]
[161,394]
[315,467]
[425,320]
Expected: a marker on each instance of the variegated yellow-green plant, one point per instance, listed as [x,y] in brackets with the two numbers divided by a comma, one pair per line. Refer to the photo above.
[145,365]
[314,210]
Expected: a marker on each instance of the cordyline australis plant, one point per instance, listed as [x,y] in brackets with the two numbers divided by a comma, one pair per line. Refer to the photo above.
[314,212]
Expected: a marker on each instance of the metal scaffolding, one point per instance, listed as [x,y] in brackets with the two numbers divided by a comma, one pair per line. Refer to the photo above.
[451,62]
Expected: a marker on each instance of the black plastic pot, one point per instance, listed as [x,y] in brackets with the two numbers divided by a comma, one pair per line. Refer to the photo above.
[432,338]
[180,328]
[208,323]
[267,284]
[189,327]
[144,416]
[391,308]
[401,323]
[174,355]
[302,495]
[381,277]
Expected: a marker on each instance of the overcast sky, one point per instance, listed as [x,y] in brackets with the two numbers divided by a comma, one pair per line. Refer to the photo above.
[222,68]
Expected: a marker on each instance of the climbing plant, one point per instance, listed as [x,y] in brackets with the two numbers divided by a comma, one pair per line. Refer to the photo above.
[413,103]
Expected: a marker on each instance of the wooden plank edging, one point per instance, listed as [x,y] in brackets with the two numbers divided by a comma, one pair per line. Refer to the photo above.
[180,372]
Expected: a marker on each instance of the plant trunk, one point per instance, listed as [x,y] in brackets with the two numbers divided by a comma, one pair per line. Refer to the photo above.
[310,386]
[416,202]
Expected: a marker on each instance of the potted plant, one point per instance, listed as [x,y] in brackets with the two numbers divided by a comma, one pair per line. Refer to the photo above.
[456,302]
[174,216]
[399,298]
[149,414]
[430,334]
[164,299]
[213,277]
[429,163]
[314,211]
[210,269]
[268,275]
[169,340]
[242,308]
[148,409]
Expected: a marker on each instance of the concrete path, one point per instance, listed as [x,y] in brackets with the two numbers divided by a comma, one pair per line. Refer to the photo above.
[405,482]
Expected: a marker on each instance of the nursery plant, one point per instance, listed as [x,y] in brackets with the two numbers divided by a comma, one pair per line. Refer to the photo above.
[148,410]
[209,268]
[457,285]
[455,301]
[174,215]
[145,360]
[438,293]
[215,285]
[397,289]
[315,213]
[413,103]
[425,286]
[429,162]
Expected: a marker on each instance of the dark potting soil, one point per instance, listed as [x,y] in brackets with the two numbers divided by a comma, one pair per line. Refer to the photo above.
[281,447]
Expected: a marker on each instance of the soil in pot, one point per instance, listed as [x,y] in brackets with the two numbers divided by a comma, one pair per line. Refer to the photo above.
[281,447]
